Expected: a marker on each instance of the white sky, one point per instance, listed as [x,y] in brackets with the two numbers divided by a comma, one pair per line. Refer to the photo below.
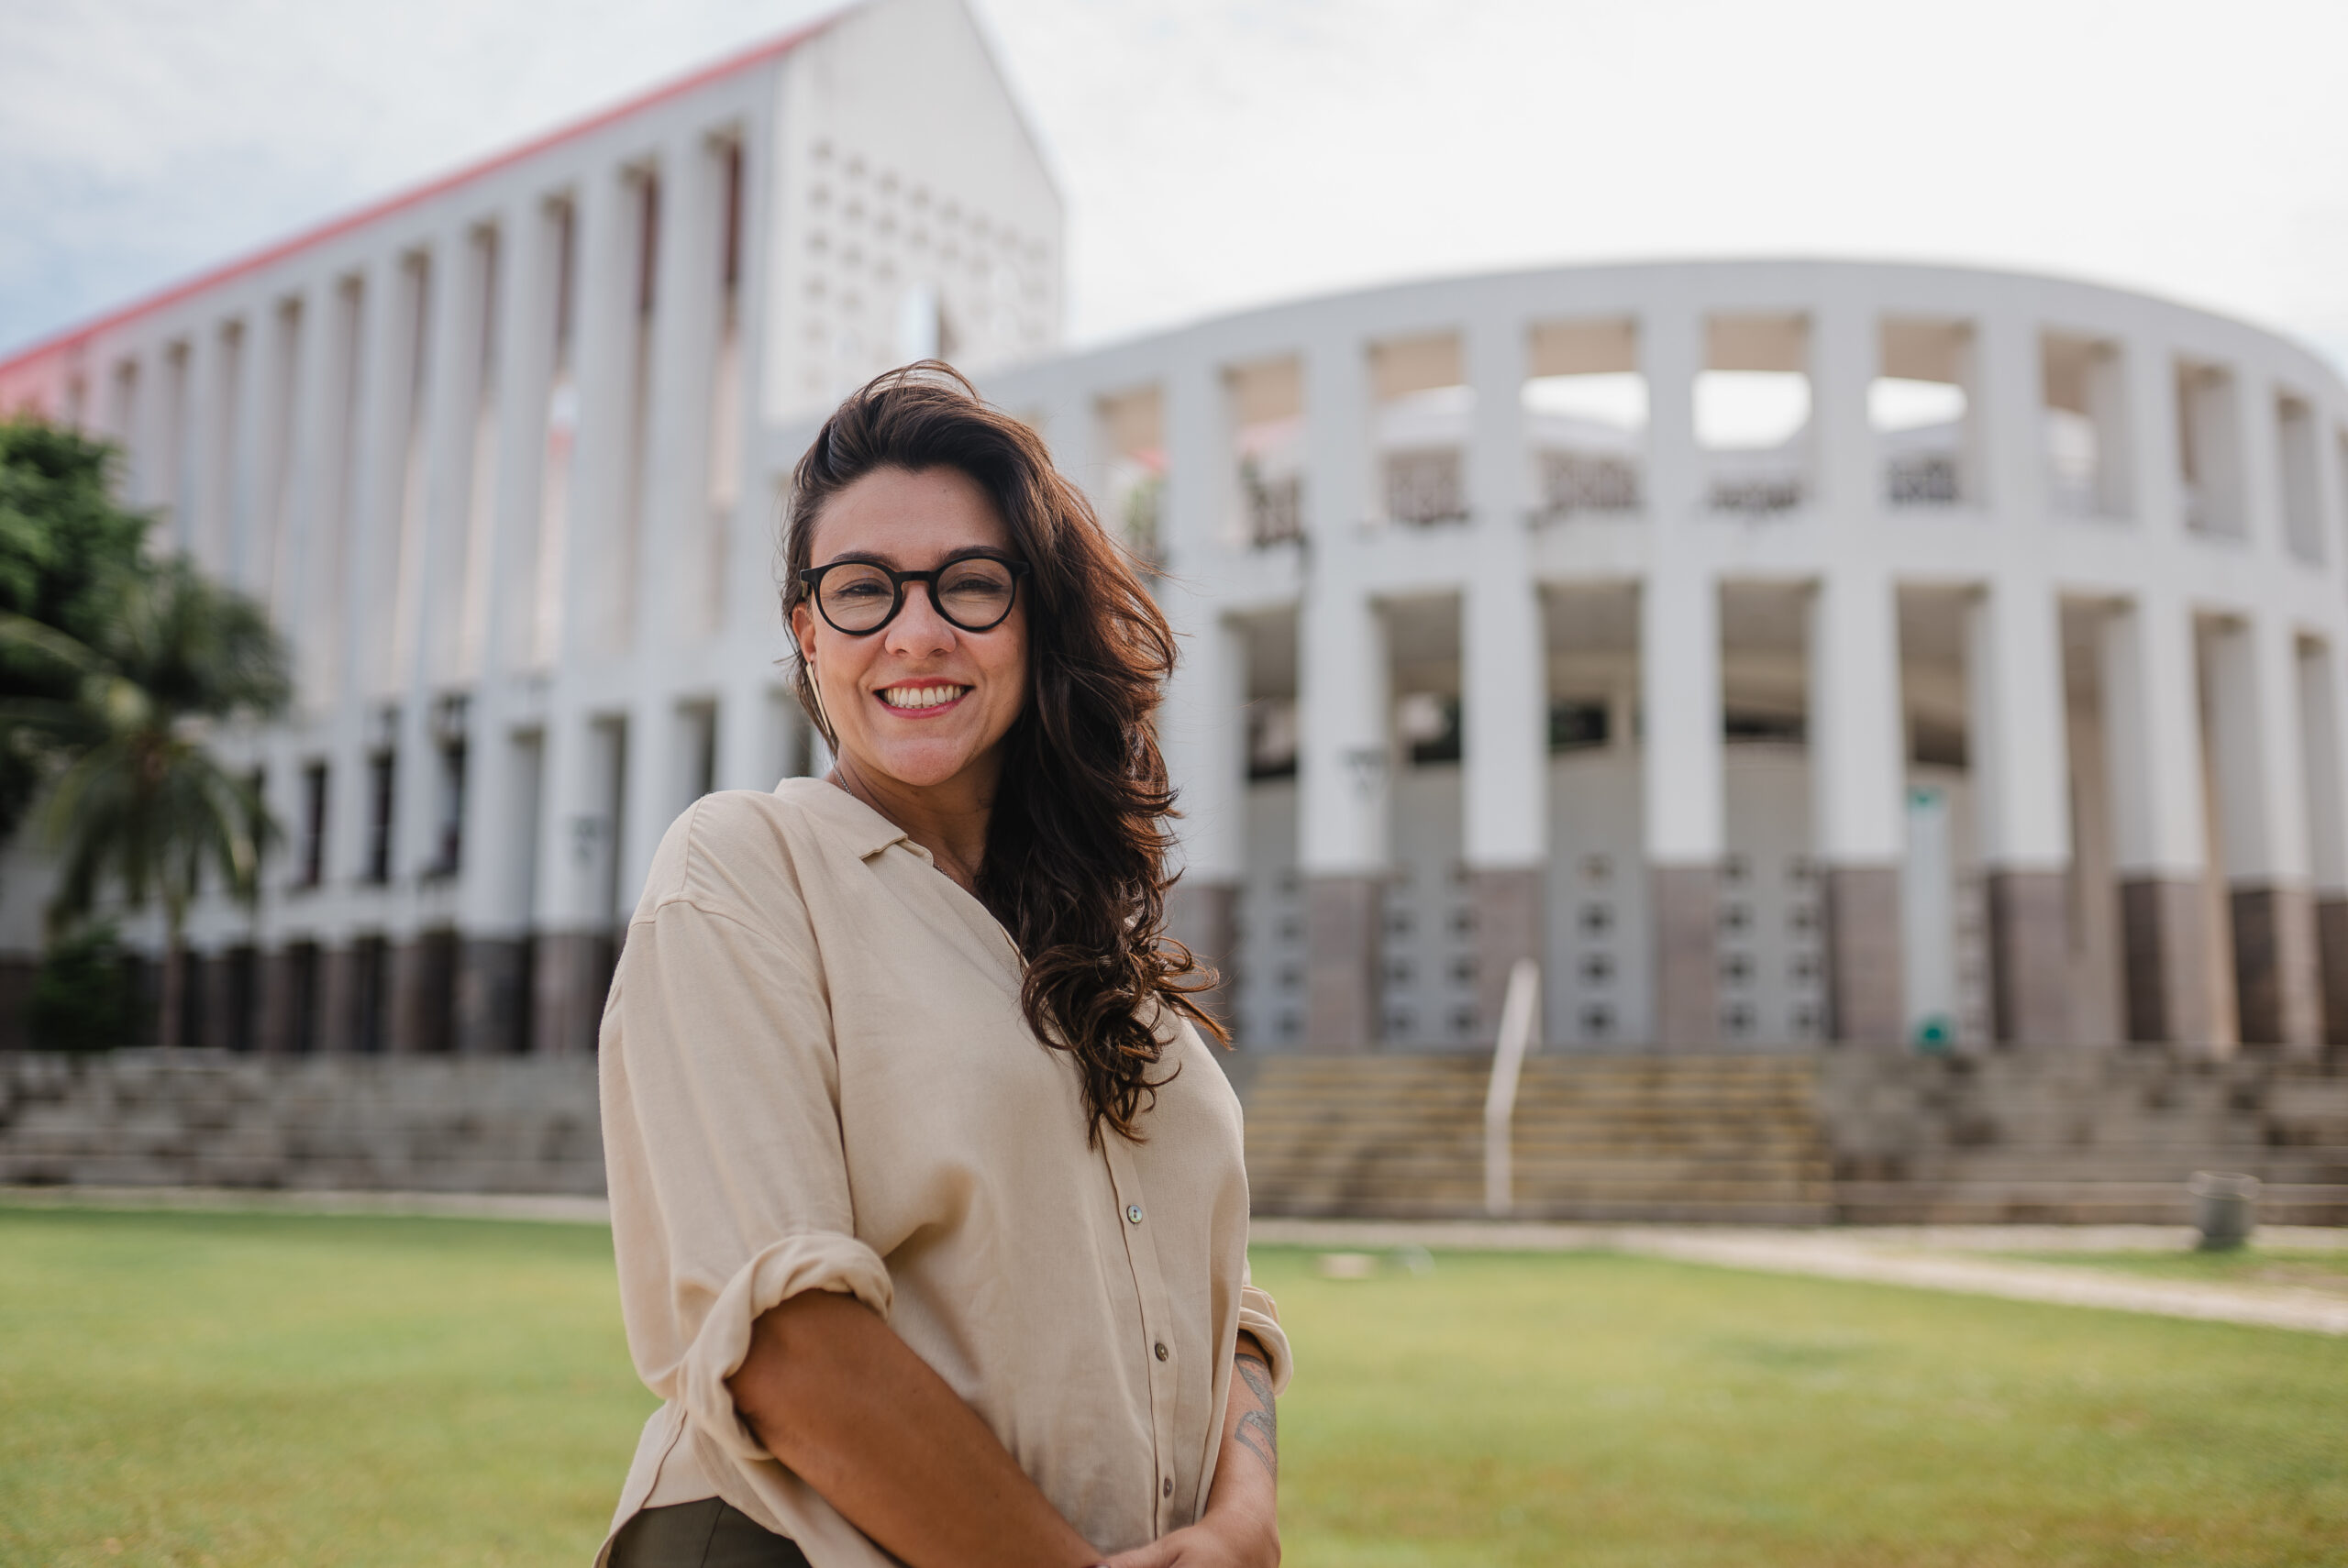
[1217,153]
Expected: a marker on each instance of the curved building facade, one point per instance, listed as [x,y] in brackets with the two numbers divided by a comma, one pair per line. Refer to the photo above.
[1777,652]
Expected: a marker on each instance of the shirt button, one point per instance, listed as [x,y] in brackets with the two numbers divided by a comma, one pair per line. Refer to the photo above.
[1167,1490]
[1133,1213]
[1162,1351]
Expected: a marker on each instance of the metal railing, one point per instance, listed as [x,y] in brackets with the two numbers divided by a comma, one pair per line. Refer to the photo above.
[1520,1019]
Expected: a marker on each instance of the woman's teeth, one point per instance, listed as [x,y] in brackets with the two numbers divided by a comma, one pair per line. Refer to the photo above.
[920,696]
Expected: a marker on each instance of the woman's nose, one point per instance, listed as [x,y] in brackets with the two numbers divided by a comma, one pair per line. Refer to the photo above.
[919,628]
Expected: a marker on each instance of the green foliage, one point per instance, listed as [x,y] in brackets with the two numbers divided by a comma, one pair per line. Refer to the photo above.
[64,545]
[142,802]
[85,997]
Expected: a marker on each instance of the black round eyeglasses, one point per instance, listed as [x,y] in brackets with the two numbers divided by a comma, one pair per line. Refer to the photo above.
[974,592]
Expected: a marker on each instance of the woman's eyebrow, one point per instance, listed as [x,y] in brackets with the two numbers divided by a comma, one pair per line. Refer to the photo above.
[875,558]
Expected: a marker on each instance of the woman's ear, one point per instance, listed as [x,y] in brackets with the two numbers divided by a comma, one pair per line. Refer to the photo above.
[802,631]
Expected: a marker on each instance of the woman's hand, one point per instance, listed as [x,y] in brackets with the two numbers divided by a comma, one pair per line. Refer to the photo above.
[1216,1541]
[1242,1525]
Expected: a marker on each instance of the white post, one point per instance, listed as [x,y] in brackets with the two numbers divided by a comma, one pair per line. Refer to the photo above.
[1520,1013]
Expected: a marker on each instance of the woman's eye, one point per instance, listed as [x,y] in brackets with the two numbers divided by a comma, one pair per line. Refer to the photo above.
[864,589]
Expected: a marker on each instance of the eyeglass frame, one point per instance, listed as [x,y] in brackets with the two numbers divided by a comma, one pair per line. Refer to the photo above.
[811,583]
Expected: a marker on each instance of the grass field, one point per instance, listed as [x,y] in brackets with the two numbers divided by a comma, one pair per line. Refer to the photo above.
[200,1389]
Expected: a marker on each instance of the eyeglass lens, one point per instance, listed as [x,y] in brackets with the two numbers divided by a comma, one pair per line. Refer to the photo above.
[974,594]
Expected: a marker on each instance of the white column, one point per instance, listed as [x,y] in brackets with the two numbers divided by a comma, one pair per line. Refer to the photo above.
[1199,466]
[2254,713]
[1679,693]
[577,831]
[604,326]
[525,347]
[372,558]
[2018,735]
[1671,352]
[675,551]
[307,510]
[1858,769]
[194,490]
[2157,478]
[1505,674]
[240,562]
[2010,379]
[2260,462]
[1846,350]
[2152,739]
[2254,709]
[1344,696]
[2320,688]
[1204,736]
[1337,443]
[659,740]
[2014,687]
[1680,673]
[495,897]
[1346,714]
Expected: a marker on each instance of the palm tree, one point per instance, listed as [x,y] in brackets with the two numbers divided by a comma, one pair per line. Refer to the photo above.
[140,802]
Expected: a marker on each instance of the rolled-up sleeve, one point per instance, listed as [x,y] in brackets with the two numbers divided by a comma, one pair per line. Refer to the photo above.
[1259,1316]
[722,1135]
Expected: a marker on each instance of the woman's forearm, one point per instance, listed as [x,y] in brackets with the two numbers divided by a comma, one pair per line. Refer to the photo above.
[834,1393]
[1245,1498]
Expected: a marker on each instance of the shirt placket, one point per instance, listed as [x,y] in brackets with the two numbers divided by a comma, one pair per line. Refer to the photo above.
[1156,1342]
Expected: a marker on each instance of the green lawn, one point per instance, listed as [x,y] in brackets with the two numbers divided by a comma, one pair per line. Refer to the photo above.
[196,1389]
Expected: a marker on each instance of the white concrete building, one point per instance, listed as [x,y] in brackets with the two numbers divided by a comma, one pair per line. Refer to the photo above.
[1779,652]
[499,455]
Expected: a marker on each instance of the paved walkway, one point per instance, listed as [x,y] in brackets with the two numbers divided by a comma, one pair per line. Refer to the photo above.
[1930,1257]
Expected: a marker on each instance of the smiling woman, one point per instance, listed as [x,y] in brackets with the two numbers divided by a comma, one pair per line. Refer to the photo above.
[909,1122]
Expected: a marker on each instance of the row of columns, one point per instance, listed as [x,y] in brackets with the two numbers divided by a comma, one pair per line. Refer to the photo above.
[2271,749]
[2015,682]
[517,952]
[416,553]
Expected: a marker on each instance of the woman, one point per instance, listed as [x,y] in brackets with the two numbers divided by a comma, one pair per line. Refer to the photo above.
[927,1197]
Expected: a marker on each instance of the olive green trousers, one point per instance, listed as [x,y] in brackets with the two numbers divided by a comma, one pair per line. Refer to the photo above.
[711,1533]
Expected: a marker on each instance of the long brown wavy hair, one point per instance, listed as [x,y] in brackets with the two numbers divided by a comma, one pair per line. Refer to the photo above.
[1077,840]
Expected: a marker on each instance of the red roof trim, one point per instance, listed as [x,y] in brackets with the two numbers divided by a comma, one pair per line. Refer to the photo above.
[74,336]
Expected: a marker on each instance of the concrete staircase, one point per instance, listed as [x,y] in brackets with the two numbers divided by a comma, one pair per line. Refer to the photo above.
[2079,1136]
[1720,1139]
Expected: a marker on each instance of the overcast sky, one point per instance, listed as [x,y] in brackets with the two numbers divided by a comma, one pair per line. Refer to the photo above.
[1217,153]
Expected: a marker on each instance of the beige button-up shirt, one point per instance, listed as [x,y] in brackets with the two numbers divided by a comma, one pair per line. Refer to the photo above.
[816,1076]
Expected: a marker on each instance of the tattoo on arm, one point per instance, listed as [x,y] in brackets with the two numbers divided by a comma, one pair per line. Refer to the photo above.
[1259,1429]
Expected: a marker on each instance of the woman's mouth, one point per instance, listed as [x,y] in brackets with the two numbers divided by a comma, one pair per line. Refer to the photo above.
[923,699]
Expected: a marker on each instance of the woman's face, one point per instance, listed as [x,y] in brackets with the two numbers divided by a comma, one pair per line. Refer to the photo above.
[920,702]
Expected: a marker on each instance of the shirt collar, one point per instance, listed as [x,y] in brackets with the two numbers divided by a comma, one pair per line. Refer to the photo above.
[864,830]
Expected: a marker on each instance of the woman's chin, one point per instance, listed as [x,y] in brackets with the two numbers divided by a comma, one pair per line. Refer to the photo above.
[923,764]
